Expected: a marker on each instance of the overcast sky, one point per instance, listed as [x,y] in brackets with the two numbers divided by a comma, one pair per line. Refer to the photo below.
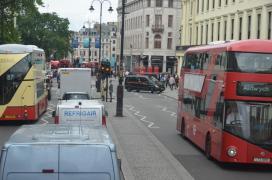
[78,13]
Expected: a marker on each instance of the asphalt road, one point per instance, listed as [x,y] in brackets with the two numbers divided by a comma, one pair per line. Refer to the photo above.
[158,113]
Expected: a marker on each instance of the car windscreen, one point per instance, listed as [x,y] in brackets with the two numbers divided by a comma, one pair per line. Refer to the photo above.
[75,96]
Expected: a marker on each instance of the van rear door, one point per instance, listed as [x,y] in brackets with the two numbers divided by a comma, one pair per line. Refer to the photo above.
[31,162]
[85,162]
[79,115]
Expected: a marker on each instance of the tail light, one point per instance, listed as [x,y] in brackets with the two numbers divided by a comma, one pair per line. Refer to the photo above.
[56,119]
[25,114]
[104,122]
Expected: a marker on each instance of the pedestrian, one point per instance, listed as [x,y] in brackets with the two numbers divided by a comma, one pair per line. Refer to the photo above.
[171,82]
[110,90]
[176,80]
[103,90]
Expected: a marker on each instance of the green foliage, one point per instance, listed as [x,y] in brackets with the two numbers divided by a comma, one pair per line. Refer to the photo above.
[47,31]
[10,9]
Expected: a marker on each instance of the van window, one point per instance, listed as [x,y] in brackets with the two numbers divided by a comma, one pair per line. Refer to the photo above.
[31,160]
[86,162]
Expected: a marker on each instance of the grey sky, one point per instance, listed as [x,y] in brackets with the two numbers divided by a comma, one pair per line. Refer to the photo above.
[77,11]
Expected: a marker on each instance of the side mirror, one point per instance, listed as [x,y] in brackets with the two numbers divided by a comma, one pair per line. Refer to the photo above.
[53,113]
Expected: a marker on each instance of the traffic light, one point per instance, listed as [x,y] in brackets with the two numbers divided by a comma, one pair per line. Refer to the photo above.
[105,68]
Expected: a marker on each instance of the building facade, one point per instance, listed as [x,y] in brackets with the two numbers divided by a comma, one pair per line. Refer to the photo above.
[86,44]
[151,34]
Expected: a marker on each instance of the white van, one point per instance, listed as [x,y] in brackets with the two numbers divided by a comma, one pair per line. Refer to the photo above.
[80,112]
[59,152]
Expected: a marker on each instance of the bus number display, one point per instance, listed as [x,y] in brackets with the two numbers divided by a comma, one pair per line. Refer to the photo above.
[254,89]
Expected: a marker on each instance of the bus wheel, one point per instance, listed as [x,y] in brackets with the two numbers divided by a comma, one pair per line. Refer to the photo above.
[182,128]
[208,146]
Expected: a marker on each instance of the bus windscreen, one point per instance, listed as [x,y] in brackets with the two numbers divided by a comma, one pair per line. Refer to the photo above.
[249,62]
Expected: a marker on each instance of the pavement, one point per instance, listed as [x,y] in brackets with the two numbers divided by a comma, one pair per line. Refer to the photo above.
[143,156]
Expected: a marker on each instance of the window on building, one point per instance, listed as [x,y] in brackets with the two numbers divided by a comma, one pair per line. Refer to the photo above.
[191,9]
[169,43]
[197,6]
[157,41]
[190,35]
[202,6]
[232,28]
[269,25]
[159,3]
[148,3]
[170,34]
[213,3]
[158,19]
[207,31]
[218,30]
[226,2]
[249,27]
[170,20]
[196,34]
[113,41]
[233,1]
[240,28]
[219,3]
[147,20]
[225,30]
[258,26]
[146,42]
[113,49]
[95,53]
[208,4]
[201,35]
[170,3]
[212,32]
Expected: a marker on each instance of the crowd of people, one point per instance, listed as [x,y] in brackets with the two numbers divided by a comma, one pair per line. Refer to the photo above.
[169,80]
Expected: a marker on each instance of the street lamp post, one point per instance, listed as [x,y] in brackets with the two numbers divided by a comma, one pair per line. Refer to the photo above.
[100,23]
[120,88]
[98,84]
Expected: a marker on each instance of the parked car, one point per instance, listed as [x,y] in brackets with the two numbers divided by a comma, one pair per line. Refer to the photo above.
[141,83]
[59,152]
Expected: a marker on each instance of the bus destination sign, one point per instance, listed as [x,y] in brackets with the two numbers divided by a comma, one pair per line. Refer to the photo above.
[254,89]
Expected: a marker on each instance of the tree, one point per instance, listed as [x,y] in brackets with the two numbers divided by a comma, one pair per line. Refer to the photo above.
[47,31]
[10,9]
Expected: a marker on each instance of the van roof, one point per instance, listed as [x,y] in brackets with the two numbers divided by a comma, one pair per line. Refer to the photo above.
[61,134]
[83,102]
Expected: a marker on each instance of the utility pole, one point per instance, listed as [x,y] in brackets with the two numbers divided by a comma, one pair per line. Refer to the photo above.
[120,88]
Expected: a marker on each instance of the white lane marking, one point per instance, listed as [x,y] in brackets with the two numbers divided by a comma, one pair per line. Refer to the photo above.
[163,108]
[142,117]
[44,121]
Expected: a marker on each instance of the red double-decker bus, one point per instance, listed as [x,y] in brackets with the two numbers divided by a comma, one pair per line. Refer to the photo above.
[225,100]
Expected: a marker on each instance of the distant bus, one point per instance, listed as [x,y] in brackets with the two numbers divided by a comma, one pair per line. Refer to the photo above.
[225,100]
[23,95]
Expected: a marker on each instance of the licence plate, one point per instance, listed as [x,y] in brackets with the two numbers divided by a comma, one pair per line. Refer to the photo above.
[263,160]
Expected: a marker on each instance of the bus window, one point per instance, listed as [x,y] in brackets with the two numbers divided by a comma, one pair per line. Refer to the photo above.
[220,61]
[10,80]
[205,60]
[250,62]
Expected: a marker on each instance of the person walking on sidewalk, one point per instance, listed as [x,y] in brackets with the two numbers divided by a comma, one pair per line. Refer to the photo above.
[110,90]
[171,82]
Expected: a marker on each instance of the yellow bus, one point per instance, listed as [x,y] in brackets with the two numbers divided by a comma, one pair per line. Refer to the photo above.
[23,95]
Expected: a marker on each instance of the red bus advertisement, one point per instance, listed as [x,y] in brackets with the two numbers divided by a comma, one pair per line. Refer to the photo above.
[225,100]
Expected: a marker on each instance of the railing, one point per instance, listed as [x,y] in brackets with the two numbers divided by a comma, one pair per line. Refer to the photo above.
[158,28]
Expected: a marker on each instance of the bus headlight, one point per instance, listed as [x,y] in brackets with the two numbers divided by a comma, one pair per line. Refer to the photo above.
[232,151]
